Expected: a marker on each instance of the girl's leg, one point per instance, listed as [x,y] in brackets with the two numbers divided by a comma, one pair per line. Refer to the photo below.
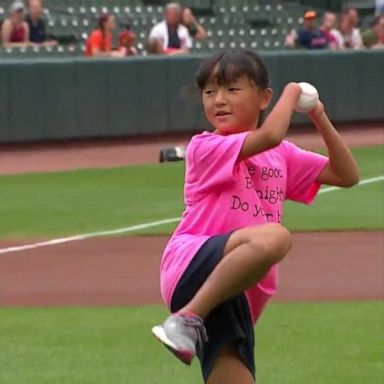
[248,256]
[229,369]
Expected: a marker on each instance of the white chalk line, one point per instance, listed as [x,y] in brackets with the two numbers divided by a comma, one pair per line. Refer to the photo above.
[362,182]
[135,228]
[88,236]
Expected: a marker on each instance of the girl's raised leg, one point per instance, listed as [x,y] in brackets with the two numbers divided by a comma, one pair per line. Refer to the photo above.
[248,256]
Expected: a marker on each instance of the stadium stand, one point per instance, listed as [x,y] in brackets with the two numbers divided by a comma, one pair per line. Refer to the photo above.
[257,24]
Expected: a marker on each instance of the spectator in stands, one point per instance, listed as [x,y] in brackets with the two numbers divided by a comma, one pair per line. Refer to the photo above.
[99,42]
[154,46]
[328,24]
[14,30]
[195,29]
[355,20]
[346,35]
[353,14]
[36,23]
[379,7]
[173,35]
[309,36]
[127,39]
[374,36]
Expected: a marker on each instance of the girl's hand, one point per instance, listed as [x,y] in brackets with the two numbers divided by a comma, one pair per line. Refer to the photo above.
[188,16]
[291,94]
[318,111]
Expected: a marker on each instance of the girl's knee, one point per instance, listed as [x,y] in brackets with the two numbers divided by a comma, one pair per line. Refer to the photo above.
[282,239]
[274,244]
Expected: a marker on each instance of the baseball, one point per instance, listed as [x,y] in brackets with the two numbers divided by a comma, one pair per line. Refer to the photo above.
[308,98]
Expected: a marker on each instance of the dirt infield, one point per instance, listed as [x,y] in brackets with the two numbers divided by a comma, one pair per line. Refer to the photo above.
[125,270]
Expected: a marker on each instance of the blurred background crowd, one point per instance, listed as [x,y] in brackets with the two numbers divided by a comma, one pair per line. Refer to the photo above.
[117,28]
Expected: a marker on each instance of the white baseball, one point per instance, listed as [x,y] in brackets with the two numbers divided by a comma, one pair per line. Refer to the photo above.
[308,98]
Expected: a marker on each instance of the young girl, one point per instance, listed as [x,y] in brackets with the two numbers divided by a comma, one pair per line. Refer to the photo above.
[219,268]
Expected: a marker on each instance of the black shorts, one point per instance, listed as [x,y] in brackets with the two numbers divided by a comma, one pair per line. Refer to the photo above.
[228,324]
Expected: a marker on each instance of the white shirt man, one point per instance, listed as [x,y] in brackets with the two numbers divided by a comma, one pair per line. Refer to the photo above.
[160,31]
[172,34]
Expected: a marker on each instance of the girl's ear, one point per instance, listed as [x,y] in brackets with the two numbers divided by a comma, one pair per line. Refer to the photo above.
[266,98]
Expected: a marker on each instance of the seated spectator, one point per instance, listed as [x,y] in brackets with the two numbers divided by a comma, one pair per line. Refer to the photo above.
[173,35]
[155,46]
[127,40]
[353,14]
[99,42]
[346,35]
[14,30]
[328,27]
[374,36]
[379,7]
[36,23]
[355,21]
[309,36]
[195,29]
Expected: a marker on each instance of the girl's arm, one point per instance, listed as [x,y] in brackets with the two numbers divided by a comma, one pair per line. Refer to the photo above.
[6,32]
[342,169]
[275,127]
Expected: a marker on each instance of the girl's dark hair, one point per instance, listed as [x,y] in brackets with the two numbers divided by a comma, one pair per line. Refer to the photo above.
[225,67]
[102,19]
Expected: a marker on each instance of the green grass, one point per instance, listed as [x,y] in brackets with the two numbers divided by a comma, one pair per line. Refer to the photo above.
[62,203]
[65,203]
[317,343]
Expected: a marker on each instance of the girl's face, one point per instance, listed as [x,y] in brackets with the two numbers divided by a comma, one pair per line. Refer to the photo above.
[187,16]
[329,21]
[110,24]
[345,24]
[234,107]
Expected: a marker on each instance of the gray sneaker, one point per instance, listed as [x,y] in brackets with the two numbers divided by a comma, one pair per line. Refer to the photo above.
[182,334]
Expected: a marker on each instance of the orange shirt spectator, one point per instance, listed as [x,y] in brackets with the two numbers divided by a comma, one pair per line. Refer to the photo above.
[99,42]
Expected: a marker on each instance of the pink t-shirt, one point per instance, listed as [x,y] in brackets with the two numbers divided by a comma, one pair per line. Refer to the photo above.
[223,193]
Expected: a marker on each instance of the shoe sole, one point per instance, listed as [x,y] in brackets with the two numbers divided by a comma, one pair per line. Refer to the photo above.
[184,356]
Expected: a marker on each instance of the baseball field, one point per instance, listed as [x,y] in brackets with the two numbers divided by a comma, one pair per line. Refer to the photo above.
[81,235]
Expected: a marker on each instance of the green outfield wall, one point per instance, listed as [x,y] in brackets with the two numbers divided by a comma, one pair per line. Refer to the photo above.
[45,99]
